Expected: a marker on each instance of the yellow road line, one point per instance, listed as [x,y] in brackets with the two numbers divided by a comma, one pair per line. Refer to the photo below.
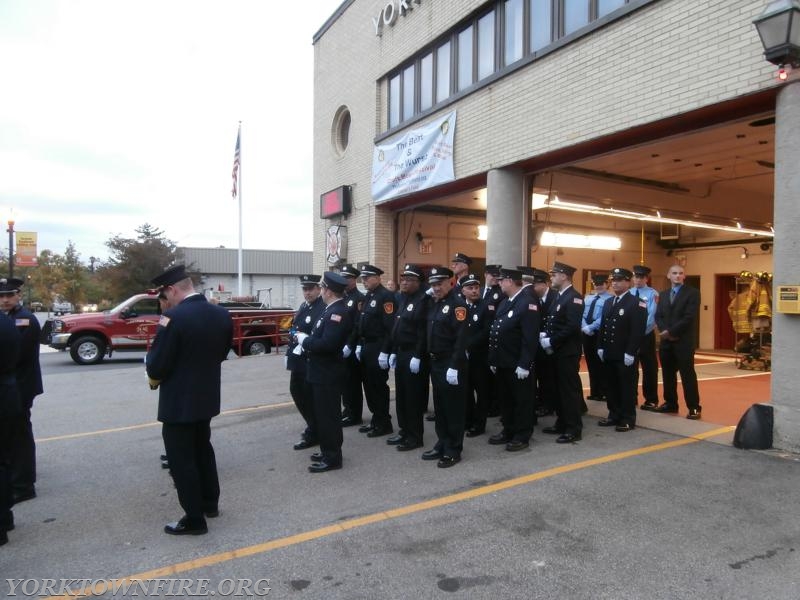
[395,513]
[224,413]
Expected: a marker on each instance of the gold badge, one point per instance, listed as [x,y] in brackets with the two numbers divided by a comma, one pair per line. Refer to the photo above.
[461,313]
[388,307]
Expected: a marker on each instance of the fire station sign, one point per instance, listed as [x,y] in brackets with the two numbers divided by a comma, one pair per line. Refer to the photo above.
[419,159]
[26,255]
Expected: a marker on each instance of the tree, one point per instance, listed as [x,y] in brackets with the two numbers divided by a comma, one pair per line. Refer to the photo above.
[134,262]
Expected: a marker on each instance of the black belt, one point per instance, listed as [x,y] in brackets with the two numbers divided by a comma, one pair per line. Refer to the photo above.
[440,355]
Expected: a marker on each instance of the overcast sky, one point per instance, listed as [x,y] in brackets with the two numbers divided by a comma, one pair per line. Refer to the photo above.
[115,113]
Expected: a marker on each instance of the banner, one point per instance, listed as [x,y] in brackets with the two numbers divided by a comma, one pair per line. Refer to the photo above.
[26,254]
[421,158]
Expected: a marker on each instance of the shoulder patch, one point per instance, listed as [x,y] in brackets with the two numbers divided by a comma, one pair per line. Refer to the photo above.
[533,307]
[460,312]
[335,317]
[388,307]
[22,322]
[578,300]
[163,321]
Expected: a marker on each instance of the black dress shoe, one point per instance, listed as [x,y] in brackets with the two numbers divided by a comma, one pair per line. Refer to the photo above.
[430,417]
[303,444]
[606,422]
[350,421]
[365,428]
[321,467]
[395,439]
[448,461]
[23,495]
[408,445]
[622,427]
[666,408]
[649,406]
[186,527]
[165,464]
[568,438]
[163,457]
[211,514]
[553,430]
[499,438]
[379,431]
[474,432]
[432,454]
[694,414]
[516,446]
[316,457]
[594,397]
[3,538]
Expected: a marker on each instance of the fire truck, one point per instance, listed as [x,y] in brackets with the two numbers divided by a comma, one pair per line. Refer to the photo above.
[131,326]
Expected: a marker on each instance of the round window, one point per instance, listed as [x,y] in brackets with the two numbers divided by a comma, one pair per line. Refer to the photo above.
[341,130]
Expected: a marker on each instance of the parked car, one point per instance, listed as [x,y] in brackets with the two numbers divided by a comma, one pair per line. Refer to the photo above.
[62,307]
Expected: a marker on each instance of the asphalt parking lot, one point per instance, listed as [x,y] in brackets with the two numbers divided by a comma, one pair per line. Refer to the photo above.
[669,510]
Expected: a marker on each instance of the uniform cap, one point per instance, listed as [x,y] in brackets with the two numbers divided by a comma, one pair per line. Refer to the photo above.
[470,279]
[599,279]
[462,258]
[10,284]
[369,270]
[621,273]
[335,282]
[641,270]
[540,276]
[171,276]
[525,270]
[349,271]
[514,274]
[439,274]
[559,267]
[413,271]
[493,269]
[309,280]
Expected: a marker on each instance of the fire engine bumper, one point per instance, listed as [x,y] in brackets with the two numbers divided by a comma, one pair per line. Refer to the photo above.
[59,341]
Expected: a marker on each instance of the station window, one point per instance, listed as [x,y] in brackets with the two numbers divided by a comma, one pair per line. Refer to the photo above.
[426,82]
[465,58]
[443,71]
[486,48]
[340,132]
[514,27]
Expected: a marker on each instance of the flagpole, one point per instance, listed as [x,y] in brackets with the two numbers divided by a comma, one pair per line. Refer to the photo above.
[240,215]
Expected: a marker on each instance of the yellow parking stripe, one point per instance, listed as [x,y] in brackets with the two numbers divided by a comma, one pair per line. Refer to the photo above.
[215,559]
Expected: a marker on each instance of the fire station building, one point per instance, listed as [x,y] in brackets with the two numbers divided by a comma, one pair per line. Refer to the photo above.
[598,133]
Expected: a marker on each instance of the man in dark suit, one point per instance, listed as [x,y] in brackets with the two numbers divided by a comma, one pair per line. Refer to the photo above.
[676,313]
[618,341]
[10,408]
[590,324]
[29,382]
[546,393]
[513,341]
[327,371]
[303,322]
[352,393]
[193,338]
[480,380]
[561,339]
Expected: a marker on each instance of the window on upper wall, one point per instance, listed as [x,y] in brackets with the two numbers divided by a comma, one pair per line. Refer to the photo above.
[426,82]
[465,58]
[576,15]
[541,24]
[513,28]
[486,45]
[408,92]
[606,6]
[394,101]
[443,72]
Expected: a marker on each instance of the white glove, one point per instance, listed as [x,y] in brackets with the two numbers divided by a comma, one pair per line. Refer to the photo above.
[542,334]
[545,341]
[600,353]
[587,330]
[628,360]
[413,365]
[358,353]
[300,336]
[346,351]
[429,292]
[298,350]
[452,376]
[493,370]
[522,373]
[383,360]
[392,361]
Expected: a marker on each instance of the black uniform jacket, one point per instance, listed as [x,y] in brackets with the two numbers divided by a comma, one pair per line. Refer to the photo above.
[622,327]
[563,323]
[354,300]
[304,320]
[9,356]
[192,340]
[377,318]
[480,316]
[410,324]
[514,334]
[447,329]
[678,317]
[324,346]
[29,373]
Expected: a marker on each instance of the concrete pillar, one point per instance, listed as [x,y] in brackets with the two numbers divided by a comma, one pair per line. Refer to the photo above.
[507,215]
[786,327]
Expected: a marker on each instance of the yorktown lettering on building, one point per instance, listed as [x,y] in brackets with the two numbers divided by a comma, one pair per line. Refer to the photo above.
[388,15]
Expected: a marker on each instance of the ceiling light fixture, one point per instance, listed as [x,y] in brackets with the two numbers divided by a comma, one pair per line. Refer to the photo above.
[483,232]
[574,240]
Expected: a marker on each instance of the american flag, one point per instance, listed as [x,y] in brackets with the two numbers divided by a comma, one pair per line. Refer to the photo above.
[236,162]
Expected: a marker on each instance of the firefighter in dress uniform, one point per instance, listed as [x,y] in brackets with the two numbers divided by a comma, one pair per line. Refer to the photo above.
[619,339]
[327,372]
[303,322]
[352,394]
[513,341]
[545,388]
[10,409]
[447,341]
[480,379]
[492,296]
[590,324]
[409,359]
[647,351]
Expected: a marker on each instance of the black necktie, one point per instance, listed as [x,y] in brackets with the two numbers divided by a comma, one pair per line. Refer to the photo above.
[637,292]
[590,316]
[672,295]
[616,299]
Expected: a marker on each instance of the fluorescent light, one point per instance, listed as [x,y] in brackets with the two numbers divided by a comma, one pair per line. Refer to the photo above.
[574,240]
[483,232]
[538,201]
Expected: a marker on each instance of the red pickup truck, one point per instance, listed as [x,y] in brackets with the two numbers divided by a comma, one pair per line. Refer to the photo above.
[132,325]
